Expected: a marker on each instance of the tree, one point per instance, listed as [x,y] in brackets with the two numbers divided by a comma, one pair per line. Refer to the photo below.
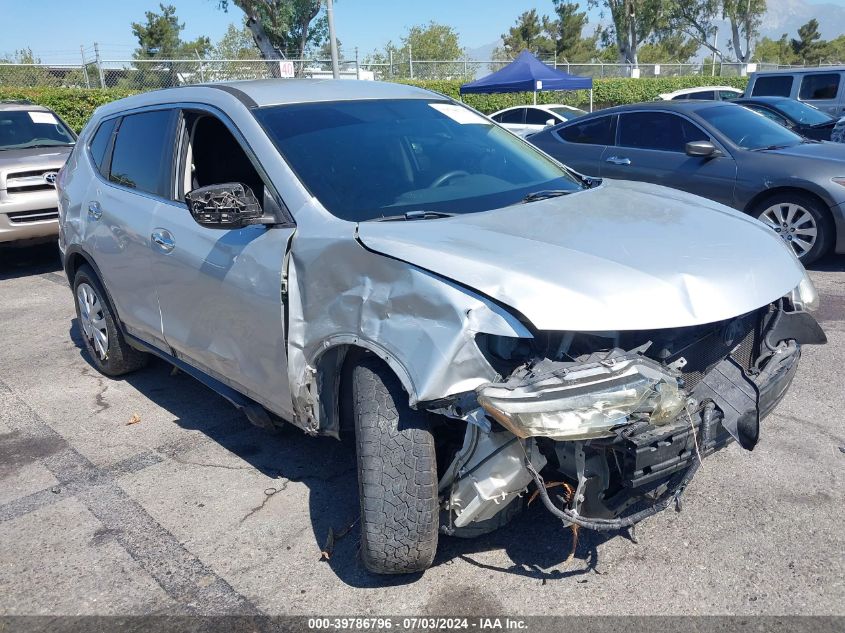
[426,42]
[159,37]
[778,51]
[633,22]
[236,43]
[528,34]
[695,19]
[283,28]
[745,18]
[566,32]
[668,48]
[808,47]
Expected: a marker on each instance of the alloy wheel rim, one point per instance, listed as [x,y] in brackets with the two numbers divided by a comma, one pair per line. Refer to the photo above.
[795,225]
[93,319]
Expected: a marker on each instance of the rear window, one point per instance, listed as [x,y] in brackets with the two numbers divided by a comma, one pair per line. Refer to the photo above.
[819,86]
[141,151]
[772,86]
[597,131]
[100,143]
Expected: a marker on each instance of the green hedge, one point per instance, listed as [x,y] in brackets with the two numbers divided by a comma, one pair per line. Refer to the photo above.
[75,105]
[606,92]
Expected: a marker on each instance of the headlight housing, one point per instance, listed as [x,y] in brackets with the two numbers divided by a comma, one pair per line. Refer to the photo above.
[805,296]
[573,401]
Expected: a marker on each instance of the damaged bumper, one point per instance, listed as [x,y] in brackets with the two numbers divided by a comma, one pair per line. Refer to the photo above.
[629,432]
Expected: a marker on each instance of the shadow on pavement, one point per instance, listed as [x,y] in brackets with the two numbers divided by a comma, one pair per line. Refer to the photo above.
[25,261]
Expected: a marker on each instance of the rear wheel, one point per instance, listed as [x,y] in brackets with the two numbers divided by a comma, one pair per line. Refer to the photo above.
[397,473]
[800,221]
[107,348]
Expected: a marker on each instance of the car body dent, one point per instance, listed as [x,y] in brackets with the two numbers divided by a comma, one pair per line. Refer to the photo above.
[623,256]
[422,325]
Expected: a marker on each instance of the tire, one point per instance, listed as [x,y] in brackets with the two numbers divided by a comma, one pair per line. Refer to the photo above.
[793,216]
[104,342]
[397,474]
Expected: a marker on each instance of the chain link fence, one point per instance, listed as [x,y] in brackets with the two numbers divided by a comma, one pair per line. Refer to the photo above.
[132,74]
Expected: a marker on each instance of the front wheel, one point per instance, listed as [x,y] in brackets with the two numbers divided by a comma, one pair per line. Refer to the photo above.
[397,474]
[800,221]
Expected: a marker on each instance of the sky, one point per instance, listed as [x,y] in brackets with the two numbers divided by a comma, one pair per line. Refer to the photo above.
[55,29]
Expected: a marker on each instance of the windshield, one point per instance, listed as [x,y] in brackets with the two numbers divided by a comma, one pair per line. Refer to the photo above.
[748,129]
[803,113]
[568,113]
[21,129]
[369,159]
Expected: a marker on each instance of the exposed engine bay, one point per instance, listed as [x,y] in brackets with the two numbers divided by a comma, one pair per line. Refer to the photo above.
[622,420]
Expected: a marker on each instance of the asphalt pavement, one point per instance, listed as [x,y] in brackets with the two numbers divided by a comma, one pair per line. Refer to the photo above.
[153,495]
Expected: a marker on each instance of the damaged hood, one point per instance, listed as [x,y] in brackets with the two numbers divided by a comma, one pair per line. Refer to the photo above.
[622,256]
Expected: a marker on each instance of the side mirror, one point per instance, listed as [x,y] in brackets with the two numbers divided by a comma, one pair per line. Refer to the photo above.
[551,123]
[702,149]
[229,205]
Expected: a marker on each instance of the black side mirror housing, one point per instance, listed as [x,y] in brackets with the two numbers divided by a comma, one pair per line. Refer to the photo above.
[702,149]
[230,205]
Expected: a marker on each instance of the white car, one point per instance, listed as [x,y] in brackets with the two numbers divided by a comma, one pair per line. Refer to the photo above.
[526,120]
[702,93]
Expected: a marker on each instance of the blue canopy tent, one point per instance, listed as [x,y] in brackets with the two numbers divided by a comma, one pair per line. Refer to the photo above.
[528,74]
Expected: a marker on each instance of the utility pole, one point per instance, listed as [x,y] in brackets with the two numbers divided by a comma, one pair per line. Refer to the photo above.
[332,38]
[84,67]
[715,46]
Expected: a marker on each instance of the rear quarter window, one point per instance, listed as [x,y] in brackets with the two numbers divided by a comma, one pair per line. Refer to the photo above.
[772,86]
[100,142]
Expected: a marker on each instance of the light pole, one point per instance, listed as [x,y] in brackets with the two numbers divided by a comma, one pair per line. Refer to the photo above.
[332,38]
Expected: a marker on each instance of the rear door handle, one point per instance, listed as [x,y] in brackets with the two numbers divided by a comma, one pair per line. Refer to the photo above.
[163,240]
[619,160]
[94,210]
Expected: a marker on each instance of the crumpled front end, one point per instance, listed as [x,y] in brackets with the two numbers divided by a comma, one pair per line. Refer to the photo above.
[618,420]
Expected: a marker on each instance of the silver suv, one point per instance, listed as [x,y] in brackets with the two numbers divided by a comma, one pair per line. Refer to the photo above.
[377,257]
[34,144]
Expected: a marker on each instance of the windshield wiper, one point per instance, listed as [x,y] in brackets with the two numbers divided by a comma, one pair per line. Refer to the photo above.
[769,147]
[545,194]
[414,215]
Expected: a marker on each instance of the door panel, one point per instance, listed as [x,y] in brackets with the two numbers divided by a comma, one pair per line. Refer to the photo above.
[221,302]
[120,240]
[119,214]
[220,290]
[650,149]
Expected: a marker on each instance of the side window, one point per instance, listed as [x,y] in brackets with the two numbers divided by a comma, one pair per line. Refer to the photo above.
[772,86]
[535,116]
[682,97]
[657,130]
[704,95]
[100,142]
[727,95]
[212,156]
[513,116]
[819,86]
[598,131]
[142,151]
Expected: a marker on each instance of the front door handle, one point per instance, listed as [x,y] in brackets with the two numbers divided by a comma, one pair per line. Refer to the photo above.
[619,160]
[94,210]
[163,240]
